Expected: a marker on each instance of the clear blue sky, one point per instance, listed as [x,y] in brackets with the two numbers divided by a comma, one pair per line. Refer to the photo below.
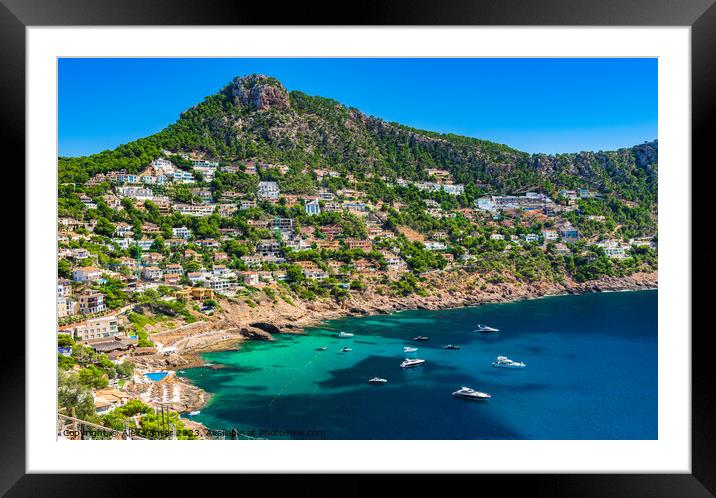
[535,105]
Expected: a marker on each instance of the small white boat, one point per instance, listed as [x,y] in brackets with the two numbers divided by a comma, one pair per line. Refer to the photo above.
[323,348]
[420,338]
[505,362]
[408,349]
[195,412]
[409,363]
[485,328]
[468,393]
[377,380]
[451,346]
[345,350]
[345,334]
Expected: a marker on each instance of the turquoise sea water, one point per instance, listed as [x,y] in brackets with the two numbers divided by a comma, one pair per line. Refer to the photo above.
[591,374]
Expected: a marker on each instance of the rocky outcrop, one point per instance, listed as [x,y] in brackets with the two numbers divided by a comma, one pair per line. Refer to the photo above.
[647,154]
[267,327]
[257,333]
[258,92]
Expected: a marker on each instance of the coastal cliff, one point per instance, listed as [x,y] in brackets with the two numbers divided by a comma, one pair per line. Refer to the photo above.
[446,290]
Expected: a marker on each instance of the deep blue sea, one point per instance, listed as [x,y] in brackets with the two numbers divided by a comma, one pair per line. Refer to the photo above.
[591,374]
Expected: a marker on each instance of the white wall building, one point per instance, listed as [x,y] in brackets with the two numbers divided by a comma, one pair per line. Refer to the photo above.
[181,233]
[94,328]
[312,207]
[268,191]
[163,166]
[182,177]
[194,209]
[139,193]
[433,245]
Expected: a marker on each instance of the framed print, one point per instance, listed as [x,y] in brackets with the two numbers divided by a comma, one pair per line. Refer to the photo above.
[428,242]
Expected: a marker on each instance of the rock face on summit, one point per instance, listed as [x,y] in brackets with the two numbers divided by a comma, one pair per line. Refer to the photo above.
[647,154]
[258,92]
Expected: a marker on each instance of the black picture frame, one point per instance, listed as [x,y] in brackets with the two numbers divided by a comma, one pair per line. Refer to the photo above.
[700,15]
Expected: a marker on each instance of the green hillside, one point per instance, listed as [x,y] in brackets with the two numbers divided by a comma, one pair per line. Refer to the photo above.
[254,117]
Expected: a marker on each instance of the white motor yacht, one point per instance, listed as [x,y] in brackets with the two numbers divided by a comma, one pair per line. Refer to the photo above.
[408,349]
[468,393]
[505,362]
[414,362]
[377,380]
[345,334]
[485,328]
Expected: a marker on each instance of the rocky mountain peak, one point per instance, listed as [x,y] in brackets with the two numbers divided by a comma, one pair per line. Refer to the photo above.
[258,92]
[646,154]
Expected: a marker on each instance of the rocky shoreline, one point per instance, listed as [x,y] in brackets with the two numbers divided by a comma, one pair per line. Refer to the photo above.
[238,322]
[447,291]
